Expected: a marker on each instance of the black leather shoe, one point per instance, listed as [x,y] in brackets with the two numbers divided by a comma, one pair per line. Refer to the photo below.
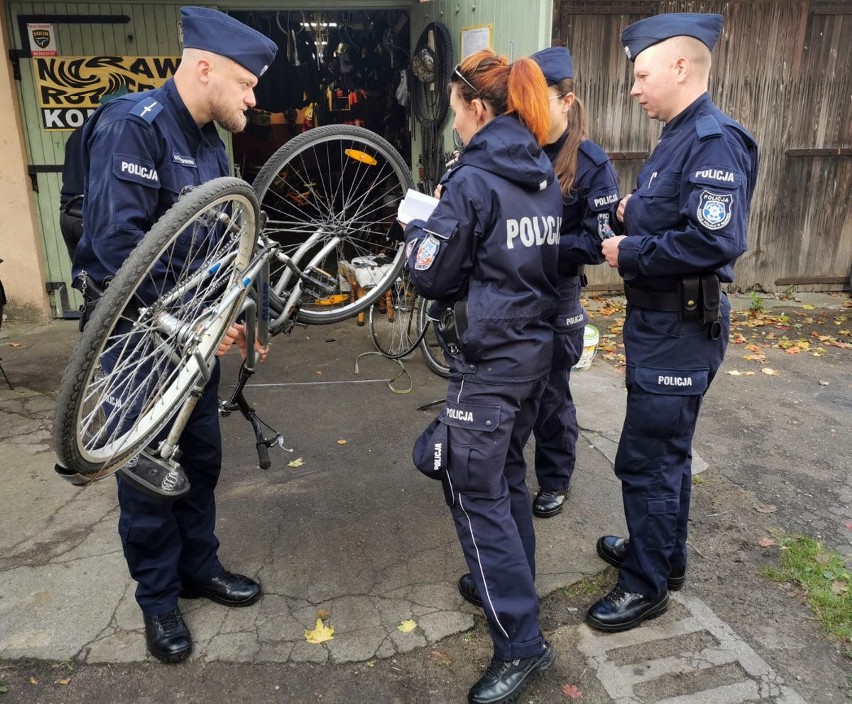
[467,588]
[504,680]
[167,636]
[155,477]
[549,503]
[613,550]
[227,588]
[621,610]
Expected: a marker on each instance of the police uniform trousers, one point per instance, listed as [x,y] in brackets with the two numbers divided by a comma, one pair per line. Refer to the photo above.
[485,485]
[555,429]
[670,365]
[166,541]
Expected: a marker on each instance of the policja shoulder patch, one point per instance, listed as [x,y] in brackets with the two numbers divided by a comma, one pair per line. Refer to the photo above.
[714,209]
[427,252]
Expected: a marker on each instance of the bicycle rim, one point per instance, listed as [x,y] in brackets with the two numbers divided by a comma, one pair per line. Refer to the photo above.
[341,183]
[156,329]
[433,353]
[394,323]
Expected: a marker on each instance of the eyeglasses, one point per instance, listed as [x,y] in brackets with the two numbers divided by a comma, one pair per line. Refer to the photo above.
[457,72]
[557,97]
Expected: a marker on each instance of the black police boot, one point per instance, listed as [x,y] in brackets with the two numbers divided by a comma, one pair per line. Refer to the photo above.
[155,477]
[613,550]
[167,636]
[621,610]
[549,503]
[226,588]
[467,588]
[504,680]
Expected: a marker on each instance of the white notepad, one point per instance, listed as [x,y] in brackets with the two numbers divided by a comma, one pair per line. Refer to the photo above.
[415,206]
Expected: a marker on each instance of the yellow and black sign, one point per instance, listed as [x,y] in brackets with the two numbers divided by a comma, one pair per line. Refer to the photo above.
[69,88]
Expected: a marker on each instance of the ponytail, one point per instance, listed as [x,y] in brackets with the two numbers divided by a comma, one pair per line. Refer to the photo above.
[528,97]
[518,88]
[565,164]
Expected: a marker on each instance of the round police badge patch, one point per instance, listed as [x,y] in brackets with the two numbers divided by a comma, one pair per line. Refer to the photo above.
[714,210]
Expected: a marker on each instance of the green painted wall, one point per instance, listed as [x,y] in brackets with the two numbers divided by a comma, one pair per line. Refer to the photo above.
[520,28]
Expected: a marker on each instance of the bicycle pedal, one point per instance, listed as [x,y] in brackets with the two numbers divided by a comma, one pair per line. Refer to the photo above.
[318,283]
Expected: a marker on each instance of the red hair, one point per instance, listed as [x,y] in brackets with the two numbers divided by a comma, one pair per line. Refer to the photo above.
[517,88]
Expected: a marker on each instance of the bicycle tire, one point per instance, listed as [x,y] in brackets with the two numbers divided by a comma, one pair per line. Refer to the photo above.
[162,317]
[430,348]
[336,181]
[394,326]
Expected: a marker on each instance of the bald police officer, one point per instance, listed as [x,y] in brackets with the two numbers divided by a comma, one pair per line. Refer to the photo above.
[140,152]
[686,225]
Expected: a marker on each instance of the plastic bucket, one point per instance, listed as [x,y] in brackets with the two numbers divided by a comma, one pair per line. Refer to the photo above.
[591,337]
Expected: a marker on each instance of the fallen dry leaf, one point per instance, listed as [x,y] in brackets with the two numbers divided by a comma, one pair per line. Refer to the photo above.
[734,372]
[839,587]
[342,441]
[33,680]
[770,372]
[765,508]
[320,634]
[298,462]
[323,614]
[440,658]
[572,691]
[407,626]
[808,306]
[766,542]
[14,344]
[65,681]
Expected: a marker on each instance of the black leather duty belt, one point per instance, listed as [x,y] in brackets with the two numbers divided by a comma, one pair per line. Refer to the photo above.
[667,301]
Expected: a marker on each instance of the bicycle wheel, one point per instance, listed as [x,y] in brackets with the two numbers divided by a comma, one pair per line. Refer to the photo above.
[433,353]
[394,323]
[157,327]
[336,187]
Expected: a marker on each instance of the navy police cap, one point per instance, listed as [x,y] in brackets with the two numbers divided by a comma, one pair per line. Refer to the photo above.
[214,31]
[652,30]
[555,63]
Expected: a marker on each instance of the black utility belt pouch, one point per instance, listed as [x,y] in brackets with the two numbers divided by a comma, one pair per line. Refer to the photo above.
[700,299]
[453,324]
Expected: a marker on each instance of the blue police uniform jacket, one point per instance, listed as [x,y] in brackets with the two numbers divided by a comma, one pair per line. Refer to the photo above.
[689,212]
[493,241]
[141,151]
[588,216]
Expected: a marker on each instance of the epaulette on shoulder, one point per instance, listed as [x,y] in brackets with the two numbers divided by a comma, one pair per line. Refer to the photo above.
[147,109]
[707,127]
[593,151]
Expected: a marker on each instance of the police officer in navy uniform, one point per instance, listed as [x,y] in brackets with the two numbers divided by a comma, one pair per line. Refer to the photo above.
[488,256]
[590,196]
[140,152]
[685,227]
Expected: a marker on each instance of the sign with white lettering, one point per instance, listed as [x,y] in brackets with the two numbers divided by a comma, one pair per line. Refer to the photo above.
[69,88]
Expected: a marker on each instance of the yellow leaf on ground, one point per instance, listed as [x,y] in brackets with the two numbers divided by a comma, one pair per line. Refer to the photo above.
[808,306]
[341,441]
[407,626]
[770,372]
[298,462]
[320,634]
[65,681]
[734,372]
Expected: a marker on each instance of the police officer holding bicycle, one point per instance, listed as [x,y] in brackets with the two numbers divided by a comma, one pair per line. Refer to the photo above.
[685,227]
[140,152]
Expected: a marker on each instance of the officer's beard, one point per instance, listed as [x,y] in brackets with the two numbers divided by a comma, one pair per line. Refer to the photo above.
[230,118]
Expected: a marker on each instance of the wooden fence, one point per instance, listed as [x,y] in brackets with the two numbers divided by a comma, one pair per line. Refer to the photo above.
[783,68]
